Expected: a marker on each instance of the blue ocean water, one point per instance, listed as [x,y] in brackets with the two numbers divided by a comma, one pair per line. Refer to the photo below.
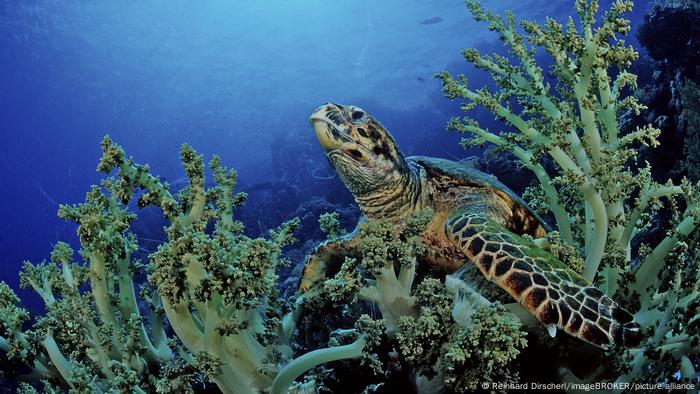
[235,78]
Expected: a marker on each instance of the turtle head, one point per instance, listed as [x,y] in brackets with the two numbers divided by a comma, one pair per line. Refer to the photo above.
[360,149]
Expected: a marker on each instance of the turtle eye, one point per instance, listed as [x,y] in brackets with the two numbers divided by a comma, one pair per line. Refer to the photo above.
[357,115]
[355,153]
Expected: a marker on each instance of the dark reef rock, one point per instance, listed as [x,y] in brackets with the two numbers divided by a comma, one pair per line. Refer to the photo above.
[671,33]
[662,96]
[505,167]
[691,114]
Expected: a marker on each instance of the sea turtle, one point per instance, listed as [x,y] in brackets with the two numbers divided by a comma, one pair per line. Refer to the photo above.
[476,218]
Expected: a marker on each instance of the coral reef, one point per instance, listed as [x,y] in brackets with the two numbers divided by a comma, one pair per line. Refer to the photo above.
[437,336]
[601,199]
[210,314]
[668,33]
[209,284]
[690,93]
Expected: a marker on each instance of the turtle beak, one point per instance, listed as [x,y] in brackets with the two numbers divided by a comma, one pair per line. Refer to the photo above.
[326,121]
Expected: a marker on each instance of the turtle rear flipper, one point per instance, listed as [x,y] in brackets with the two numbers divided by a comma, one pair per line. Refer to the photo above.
[557,296]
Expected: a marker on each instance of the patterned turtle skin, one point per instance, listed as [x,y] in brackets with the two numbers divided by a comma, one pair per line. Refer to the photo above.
[476,219]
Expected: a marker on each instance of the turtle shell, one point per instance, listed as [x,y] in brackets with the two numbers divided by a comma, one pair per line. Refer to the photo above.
[464,174]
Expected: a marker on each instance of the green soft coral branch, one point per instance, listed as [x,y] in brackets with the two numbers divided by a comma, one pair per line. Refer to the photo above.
[61,363]
[44,291]
[183,323]
[40,366]
[678,347]
[391,297]
[539,92]
[234,375]
[195,212]
[194,170]
[102,295]
[113,156]
[534,135]
[466,298]
[591,90]
[596,225]
[290,320]
[518,79]
[226,216]
[581,90]
[129,307]
[526,157]
[103,230]
[312,359]
[646,135]
[563,63]
[687,370]
[131,352]
[663,319]
[242,350]
[382,250]
[225,186]
[370,294]
[99,350]
[639,360]
[596,214]
[100,291]
[157,324]
[456,89]
[194,273]
[240,354]
[230,381]
[607,115]
[595,249]
[650,194]
[198,202]
[58,360]
[68,277]
[248,355]
[407,274]
[217,291]
[649,269]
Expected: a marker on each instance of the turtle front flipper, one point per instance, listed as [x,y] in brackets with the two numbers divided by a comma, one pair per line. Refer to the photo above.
[327,258]
[314,272]
[557,296]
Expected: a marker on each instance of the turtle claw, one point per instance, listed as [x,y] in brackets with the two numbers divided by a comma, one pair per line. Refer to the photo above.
[552,330]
